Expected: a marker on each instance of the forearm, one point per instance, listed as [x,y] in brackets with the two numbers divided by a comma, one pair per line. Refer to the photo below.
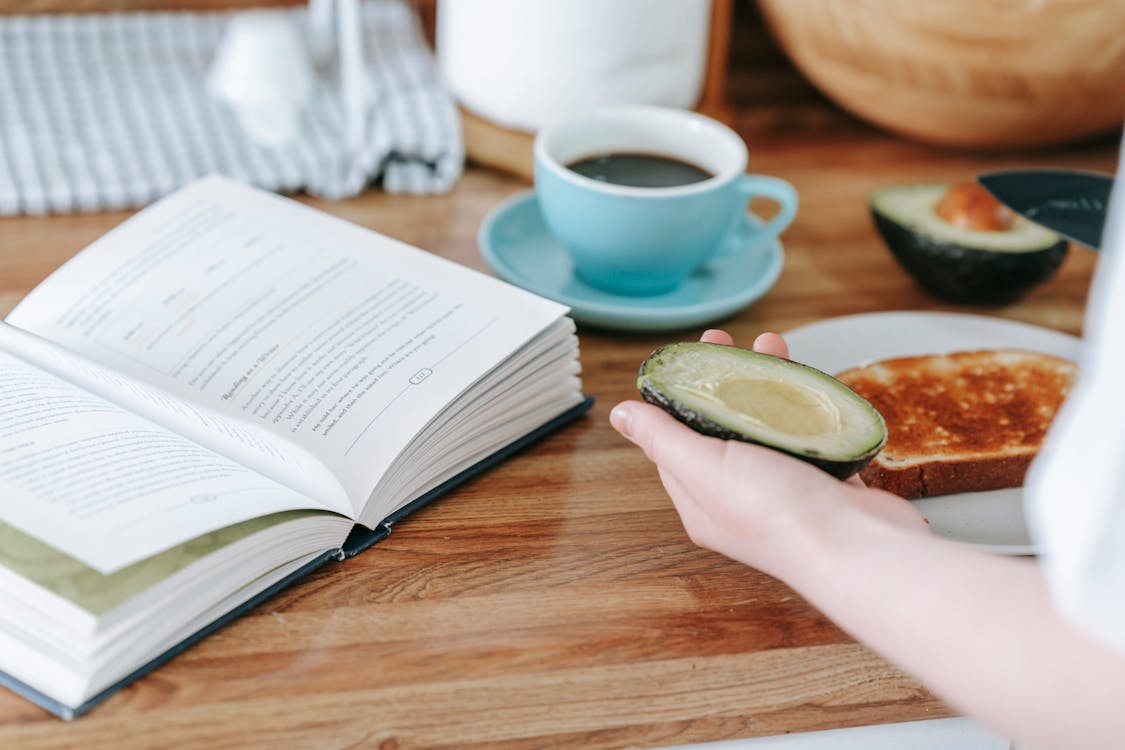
[979,629]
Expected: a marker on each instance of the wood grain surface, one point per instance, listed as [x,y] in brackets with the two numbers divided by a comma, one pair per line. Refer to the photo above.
[556,601]
[980,73]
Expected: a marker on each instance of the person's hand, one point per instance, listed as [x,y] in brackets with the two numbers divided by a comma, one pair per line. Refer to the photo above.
[743,500]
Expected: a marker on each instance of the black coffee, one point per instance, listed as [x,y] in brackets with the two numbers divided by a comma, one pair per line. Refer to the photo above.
[639,170]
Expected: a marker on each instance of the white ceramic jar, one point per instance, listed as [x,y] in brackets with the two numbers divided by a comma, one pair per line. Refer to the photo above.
[523,63]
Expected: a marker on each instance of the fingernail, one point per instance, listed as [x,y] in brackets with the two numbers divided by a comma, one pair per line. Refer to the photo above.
[622,420]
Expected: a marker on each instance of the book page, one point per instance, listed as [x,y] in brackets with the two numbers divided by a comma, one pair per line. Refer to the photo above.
[106,486]
[98,593]
[338,339]
[246,444]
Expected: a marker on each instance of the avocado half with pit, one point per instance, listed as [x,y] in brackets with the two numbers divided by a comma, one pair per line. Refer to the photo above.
[737,394]
[962,245]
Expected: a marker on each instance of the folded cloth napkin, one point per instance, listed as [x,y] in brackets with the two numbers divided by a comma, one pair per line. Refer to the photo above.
[114,110]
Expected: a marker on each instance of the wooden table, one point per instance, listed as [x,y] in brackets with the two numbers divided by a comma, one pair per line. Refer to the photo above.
[556,601]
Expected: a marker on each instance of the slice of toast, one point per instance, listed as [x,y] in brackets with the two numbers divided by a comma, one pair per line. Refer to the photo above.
[961,422]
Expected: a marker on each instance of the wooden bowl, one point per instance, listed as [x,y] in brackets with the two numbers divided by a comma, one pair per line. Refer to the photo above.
[972,73]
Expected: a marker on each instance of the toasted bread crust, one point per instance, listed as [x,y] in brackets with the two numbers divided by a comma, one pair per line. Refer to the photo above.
[947,478]
[962,422]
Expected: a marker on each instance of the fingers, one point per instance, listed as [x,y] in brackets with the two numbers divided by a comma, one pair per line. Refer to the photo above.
[766,343]
[715,336]
[771,343]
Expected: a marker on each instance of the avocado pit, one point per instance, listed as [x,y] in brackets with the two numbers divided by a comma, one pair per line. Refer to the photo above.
[970,206]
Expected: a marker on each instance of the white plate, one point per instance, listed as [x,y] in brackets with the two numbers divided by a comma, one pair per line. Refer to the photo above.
[991,520]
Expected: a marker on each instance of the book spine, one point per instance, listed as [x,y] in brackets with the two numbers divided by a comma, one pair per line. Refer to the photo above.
[361,538]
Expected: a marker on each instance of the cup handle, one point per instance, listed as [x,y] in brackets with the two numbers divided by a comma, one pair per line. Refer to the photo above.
[762,186]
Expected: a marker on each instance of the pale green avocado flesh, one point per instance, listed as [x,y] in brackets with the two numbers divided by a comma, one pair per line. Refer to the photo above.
[914,207]
[737,394]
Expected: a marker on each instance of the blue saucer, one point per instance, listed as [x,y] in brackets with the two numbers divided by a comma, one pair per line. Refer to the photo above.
[516,243]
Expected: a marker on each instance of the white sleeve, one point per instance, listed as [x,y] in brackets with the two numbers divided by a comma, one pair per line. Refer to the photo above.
[1075,491]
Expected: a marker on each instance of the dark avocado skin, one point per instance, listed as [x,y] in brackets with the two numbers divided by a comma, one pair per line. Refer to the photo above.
[703,425]
[967,275]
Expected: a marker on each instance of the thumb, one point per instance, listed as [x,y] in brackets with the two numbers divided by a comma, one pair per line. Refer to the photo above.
[667,442]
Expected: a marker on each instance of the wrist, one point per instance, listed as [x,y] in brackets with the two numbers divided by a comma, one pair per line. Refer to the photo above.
[838,529]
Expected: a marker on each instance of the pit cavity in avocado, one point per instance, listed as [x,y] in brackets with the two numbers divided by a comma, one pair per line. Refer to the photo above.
[963,246]
[737,394]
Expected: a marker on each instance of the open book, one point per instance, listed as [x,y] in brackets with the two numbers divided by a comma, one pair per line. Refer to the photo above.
[223,393]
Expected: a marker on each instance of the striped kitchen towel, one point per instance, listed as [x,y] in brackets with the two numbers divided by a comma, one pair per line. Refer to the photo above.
[113,111]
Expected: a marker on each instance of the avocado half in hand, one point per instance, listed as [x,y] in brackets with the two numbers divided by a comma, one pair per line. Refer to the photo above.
[736,394]
[962,245]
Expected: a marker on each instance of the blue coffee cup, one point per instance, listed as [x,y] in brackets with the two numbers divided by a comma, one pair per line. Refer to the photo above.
[648,240]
